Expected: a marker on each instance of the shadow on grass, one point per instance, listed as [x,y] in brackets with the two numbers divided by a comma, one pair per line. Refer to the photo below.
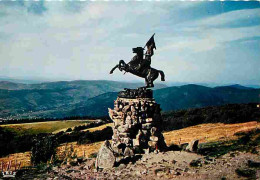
[247,141]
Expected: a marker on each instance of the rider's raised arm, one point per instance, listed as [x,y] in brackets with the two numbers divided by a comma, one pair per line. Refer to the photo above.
[149,50]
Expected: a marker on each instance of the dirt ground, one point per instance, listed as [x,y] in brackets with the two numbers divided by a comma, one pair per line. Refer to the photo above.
[165,165]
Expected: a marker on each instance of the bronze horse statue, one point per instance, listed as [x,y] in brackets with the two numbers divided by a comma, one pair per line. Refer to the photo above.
[140,66]
[150,74]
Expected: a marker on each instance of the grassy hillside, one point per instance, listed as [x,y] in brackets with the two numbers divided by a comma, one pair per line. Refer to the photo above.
[42,127]
[16,138]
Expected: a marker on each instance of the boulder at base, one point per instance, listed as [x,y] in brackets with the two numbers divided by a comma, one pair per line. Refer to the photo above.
[193,146]
[105,157]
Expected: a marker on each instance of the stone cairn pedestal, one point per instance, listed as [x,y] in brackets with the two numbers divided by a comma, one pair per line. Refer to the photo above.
[137,120]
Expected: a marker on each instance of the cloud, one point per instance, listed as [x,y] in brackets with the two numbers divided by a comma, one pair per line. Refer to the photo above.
[212,32]
[229,19]
[83,40]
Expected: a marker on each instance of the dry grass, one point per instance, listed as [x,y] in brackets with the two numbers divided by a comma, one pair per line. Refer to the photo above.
[203,132]
[208,132]
[43,127]
[99,128]
[83,150]
[20,159]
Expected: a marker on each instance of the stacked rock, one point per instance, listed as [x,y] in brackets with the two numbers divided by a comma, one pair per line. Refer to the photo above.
[137,120]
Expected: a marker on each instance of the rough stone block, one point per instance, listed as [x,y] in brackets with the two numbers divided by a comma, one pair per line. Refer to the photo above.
[126,108]
[117,150]
[133,109]
[147,151]
[193,146]
[153,131]
[123,129]
[117,122]
[135,120]
[128,152]
[105,157]
[152,144]
[124,135]
[154,138]
[115,136]
[126,141]
[128,120]
[119,158]
[145,132]
[147,126]
[136,142]
[149,120]
[139,134]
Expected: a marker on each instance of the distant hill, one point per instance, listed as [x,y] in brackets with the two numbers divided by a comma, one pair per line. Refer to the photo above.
[176,98]
[97,106]
[24,81]
[195,96]
[92,98]
[53,99]
[100,85]
[238,86]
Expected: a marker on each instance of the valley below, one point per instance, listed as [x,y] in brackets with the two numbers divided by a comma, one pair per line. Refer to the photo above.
[69,121]
[92,98]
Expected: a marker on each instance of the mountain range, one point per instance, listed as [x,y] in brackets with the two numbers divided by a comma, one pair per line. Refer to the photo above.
[52,99]
[92,98]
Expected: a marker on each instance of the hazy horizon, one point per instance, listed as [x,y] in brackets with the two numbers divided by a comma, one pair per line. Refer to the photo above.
[197,42]
[167,83]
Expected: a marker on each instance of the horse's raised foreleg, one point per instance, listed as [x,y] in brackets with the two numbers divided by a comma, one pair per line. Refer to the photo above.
[123,66]
[112,70]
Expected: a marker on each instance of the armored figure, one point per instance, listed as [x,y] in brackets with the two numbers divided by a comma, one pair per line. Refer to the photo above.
[140,65]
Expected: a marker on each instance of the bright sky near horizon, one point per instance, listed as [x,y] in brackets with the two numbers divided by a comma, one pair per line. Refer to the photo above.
[201,42]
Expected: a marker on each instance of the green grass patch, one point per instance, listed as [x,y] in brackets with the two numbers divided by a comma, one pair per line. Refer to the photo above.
[42,127]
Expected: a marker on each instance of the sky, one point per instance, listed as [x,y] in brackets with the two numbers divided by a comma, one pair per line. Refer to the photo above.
[197,42]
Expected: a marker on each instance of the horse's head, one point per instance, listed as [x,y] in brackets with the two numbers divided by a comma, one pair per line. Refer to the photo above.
[139,51]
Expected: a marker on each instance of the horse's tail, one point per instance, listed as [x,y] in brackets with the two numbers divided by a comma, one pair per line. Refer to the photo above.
[162,75]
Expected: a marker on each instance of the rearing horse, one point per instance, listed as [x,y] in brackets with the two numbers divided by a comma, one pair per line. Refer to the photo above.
[149,74]
[141,67]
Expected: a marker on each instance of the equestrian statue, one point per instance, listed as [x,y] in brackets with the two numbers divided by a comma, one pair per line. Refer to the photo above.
[140,65]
